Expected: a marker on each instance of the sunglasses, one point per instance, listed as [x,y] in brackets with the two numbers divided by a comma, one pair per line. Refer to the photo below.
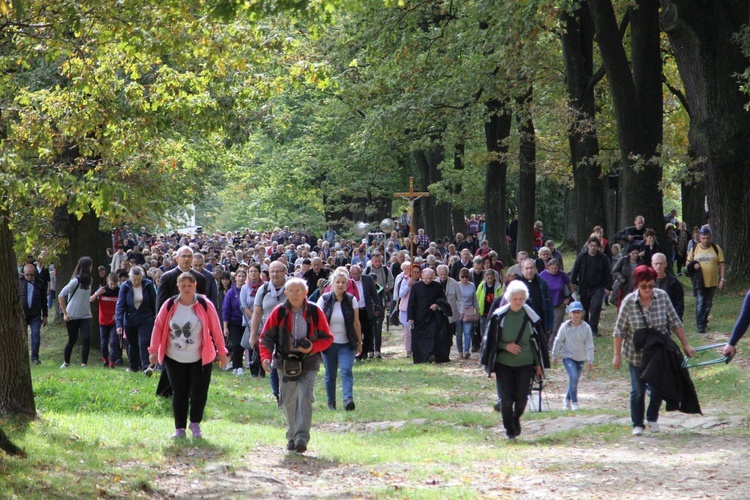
[647,287]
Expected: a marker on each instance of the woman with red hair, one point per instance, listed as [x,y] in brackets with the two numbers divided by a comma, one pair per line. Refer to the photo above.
[647,307]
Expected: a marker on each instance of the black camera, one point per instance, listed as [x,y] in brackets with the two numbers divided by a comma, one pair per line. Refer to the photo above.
[302,343]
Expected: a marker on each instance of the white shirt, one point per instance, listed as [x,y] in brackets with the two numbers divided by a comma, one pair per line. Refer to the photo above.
[185,335]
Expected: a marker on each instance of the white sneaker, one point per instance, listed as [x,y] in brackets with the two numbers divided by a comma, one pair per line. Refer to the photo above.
[566,404]
[638,430]
[64,365]
[574,406]
[653,426]
[238,371]
[228,367]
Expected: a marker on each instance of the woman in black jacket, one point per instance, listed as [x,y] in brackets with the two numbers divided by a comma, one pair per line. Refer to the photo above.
[510,352]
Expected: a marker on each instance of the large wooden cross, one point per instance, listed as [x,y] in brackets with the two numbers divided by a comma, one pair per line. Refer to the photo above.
[411,196]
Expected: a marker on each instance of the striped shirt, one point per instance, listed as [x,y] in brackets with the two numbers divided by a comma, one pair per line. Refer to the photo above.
[660,315]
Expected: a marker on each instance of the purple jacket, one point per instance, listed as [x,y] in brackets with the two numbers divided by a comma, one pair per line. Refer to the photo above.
[230,309]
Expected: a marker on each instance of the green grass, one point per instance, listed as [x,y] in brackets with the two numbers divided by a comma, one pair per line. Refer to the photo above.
[104,432]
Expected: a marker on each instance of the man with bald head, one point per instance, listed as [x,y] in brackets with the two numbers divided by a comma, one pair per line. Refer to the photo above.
[426,314]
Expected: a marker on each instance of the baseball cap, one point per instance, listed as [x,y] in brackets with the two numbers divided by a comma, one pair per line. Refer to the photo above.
[575,306]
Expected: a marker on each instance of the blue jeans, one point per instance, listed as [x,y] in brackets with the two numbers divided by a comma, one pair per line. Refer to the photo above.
[638,398]
[463,330]
[139,338]
[35,324]
[704,300]
[273,378]
[335,357]
[109,342]
[574,369]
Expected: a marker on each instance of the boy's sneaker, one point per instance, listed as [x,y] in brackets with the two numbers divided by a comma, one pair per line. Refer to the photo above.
[178,434]
[566,404]
[378,355]
[239,371]
[64,365]
[653,426]
[638,430]
[149,370]
[574,406]
[195,428]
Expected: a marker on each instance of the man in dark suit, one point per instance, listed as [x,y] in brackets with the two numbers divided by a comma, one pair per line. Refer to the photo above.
[168,284]
[34,300]
[212,291]
[368,294]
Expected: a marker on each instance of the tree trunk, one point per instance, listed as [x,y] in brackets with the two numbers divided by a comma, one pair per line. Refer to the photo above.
[693,204]
[709,60]
[638,107]
[496,132]
[526,175]
[570,232]
[457,214]
[440,212]
[588,206]
[16,393]
[421,208]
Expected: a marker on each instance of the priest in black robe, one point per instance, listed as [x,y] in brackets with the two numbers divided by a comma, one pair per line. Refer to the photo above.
[426,317]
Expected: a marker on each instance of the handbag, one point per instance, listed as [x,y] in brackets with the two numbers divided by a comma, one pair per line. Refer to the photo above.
[245,342]
[394,318]
[470,315]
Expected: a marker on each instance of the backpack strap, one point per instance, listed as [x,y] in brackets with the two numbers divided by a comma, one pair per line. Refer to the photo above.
[201,301]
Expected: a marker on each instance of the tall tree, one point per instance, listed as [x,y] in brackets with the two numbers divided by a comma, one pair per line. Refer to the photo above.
[588,189]
[636,91]
[526,173]
[703,38]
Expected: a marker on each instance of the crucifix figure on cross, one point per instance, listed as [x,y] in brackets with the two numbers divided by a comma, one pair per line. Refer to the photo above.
[411,196]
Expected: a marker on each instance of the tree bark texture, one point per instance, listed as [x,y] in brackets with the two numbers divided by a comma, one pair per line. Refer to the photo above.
[458,224]
[637,102]
[496,132]
[588,206]
[526,175]
[700,34]
[16,393]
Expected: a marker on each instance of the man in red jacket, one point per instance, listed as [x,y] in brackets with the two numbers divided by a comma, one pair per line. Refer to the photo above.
[296,332]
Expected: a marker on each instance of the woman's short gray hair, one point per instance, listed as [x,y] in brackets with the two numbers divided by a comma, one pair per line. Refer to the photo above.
[514,288]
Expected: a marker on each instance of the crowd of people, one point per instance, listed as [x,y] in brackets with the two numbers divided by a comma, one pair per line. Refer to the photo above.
[280,303]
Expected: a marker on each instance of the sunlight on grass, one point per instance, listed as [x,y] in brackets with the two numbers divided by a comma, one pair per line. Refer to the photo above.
[423,429]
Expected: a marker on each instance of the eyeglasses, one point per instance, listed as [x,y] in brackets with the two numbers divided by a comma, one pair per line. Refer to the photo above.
[647,287]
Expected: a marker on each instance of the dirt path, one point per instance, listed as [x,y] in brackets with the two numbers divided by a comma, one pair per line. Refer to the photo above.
[693,457]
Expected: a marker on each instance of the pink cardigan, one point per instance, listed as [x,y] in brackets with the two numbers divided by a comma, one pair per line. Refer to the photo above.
[212,332]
